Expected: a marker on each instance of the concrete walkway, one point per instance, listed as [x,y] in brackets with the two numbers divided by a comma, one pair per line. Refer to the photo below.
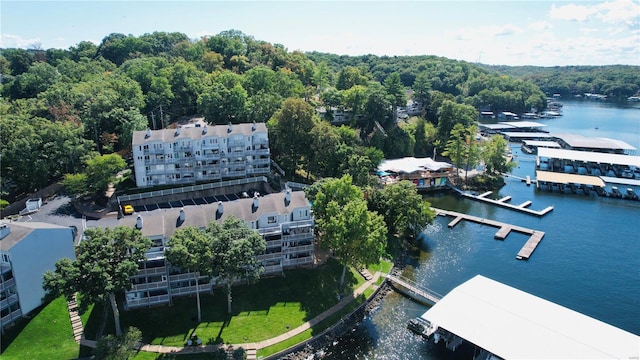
[252,347]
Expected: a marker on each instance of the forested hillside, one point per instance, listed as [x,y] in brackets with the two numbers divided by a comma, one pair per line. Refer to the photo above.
[617,82]
[61,108]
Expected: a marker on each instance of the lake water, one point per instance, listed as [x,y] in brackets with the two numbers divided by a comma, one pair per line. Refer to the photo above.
[588,261]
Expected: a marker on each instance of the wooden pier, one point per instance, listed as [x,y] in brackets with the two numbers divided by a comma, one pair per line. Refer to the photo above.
[503,230]
[415,291]
[504,202]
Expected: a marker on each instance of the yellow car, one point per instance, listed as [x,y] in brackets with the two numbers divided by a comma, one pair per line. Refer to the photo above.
[127,210]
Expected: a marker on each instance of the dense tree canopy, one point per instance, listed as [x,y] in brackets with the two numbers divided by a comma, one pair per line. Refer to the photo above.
[104,263]
[132,82]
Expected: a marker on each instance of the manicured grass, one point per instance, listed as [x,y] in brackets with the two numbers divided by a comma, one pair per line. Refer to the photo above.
[48,335]
[260,311]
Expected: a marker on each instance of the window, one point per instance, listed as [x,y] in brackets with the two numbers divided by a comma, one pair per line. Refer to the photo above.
[272,219]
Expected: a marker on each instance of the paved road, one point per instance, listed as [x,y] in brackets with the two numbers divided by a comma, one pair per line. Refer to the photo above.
[59,211]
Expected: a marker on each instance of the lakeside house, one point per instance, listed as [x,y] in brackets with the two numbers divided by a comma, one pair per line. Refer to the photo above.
[200,153]
[27,251]
[425,173]
[283,219]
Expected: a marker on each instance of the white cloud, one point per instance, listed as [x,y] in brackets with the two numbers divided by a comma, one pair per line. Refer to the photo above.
[16,41]
[571,12]
[624,12]
[540,26]
[203,33]
[611,12]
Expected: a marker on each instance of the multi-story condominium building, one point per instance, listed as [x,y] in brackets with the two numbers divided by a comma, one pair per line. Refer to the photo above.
[284,220]
[27,251]
[200,153]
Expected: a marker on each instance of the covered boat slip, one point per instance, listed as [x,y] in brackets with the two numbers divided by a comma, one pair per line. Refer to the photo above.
[512,324]
[539,143]
[562,178]
[589,157]
[587,143]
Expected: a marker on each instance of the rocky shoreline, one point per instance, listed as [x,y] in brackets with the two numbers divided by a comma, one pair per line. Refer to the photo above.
[314,348]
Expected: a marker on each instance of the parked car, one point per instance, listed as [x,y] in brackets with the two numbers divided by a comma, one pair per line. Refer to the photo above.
[127,209]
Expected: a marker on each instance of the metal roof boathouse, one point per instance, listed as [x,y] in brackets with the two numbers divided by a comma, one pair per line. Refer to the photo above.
[509,323]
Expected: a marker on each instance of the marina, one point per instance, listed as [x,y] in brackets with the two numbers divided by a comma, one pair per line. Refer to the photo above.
[504,202]
[503,230]
[505,322]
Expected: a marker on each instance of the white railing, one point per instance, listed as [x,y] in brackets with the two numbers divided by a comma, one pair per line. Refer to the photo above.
[153,300]
[187,189]
[149,286]
[8,301]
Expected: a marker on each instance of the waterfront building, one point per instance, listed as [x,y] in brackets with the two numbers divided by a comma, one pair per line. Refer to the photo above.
[200,153]
[507,323]
[283,219]
[425,173]
[27,251]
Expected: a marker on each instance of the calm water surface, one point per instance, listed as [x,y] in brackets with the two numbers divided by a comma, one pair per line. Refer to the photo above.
[588,261]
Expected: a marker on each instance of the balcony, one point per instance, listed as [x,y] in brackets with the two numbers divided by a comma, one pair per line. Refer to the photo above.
[298,262]
[150,286]
[8,301]
[298,249]
[11,317]
[264,161]
[272,256]
[233,174]
[272,269]
[298,237]
[160,270]
[7,284]
[148,301]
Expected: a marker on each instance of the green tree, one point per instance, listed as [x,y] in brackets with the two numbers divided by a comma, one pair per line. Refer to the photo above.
[456,148]
[290,134]
[190,249]
[452,113]
[345,225]
[76,184]
[405,213]
[422,90]
[397,95]
[493,154]
[104,263]
[349,77]
[121,347]
[101,170]
[234,248]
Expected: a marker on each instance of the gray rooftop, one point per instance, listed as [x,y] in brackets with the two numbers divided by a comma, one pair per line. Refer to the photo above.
[165,221]
[195,133]
[579,141]
[21,230]
[523,124]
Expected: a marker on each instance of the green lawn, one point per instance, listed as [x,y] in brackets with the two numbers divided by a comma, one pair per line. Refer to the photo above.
[260,311]
[47,335]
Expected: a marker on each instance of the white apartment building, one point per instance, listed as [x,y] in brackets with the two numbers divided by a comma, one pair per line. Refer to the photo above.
[27,251]
[284,220]
[200,153]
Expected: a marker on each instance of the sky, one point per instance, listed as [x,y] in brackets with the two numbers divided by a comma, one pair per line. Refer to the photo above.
[542,33]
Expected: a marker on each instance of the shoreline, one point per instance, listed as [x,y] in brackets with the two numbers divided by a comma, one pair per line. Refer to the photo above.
[314,347]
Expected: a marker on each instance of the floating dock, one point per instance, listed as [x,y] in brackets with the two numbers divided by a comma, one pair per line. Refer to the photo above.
[503,230]
[504,202]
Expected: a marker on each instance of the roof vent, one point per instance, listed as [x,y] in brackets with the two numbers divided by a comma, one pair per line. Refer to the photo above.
[220,210]
[177,131]
[4,231]
[182,216]
[139,222]
[229,127]
[147,134]
[256,202]
[253,126]
[204,129]
[287,197]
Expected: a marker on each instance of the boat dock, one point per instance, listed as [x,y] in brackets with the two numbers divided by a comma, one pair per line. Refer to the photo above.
[413,290]
[505,202]
[503,230]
